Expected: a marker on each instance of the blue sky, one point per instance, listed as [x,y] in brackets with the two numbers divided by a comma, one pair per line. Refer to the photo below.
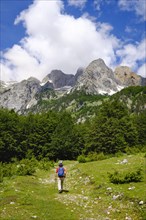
[41,35]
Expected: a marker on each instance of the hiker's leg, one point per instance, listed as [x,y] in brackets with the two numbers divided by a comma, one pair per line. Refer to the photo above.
[62,181]
[59,184]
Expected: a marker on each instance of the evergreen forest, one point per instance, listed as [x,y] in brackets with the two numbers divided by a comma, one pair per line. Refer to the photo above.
[57,135]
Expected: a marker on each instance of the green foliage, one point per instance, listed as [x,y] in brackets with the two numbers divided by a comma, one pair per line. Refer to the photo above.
[64,143]
[7,170]
[44,164]
[140,124]
[78,103]
[23,167]
[26,167]
[134,97]
[90,193]
[127,177]
[112,130]
[57,135]
[9,135]
[81,159]
[92,156]
[133,90]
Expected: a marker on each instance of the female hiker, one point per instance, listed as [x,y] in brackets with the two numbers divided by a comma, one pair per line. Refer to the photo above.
[61,171]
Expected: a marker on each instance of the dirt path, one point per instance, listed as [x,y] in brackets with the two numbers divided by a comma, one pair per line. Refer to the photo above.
[76,196]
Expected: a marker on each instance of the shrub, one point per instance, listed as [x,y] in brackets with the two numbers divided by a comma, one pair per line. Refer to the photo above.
[118,154]
[131,150]
[81,159]
[101,156]
[9,169]
[45,164]
[26,167]
[121,178]
[92,156]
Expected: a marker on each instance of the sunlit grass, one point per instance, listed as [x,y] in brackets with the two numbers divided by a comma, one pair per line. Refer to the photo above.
[91,194]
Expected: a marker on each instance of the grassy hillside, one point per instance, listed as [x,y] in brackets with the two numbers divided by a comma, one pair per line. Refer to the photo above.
[78,103]
[90,194]
[83,106]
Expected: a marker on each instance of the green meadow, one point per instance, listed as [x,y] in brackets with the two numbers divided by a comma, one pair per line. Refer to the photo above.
[88,192]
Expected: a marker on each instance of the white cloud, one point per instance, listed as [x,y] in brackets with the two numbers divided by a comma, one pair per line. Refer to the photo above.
[138,6]
[77,3]
[6,73]
[56,40]
[142,70]
[18,64]
[131,54]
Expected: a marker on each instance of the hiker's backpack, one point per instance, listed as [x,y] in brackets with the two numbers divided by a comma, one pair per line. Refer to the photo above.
[60,172]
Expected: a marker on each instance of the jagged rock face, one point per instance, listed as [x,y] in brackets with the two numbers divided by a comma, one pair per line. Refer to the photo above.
[127,77]
[79,73]
[59,79]
[47,85]
[97,78]
[20,96]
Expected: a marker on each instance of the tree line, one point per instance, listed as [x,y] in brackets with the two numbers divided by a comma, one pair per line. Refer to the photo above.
[56,135]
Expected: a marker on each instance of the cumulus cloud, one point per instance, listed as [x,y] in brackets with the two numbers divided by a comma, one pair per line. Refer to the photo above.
[138,6]
[56,40]
[18,64]
[131,54]
[142,70]
[77,3]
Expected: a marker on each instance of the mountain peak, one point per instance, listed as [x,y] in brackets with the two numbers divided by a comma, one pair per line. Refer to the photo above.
[97,78]
[127,78]
[59,79]
[98,61]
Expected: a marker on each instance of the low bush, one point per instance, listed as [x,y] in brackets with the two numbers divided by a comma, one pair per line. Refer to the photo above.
[45,164]
[92,156]
[136,149]
[121,178]
[26,167]
[96,156]
[7,170]
[81,159]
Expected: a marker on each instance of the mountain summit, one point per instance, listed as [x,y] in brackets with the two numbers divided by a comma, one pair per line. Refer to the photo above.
[97,78]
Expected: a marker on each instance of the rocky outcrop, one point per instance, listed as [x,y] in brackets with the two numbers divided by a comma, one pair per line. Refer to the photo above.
[59,79]
[20,96]
[126,77]
[79,73]
[97,78]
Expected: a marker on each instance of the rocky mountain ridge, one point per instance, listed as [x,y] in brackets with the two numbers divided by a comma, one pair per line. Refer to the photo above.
[96,79]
